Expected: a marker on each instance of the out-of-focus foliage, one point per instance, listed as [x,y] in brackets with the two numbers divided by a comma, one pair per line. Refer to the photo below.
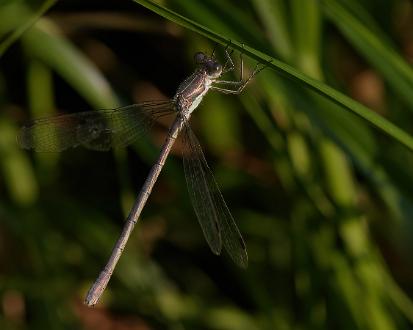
[324,201]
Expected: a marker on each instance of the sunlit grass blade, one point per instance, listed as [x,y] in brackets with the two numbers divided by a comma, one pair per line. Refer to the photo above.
[288,71]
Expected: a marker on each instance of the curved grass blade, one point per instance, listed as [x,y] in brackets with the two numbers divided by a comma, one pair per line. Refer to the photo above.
[44,43]
[291,73]
[212,212]
[15,35]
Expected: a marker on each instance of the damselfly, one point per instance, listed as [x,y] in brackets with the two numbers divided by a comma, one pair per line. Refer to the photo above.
[106,129]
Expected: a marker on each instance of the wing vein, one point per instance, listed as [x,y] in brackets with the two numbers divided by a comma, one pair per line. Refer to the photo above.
[212,212]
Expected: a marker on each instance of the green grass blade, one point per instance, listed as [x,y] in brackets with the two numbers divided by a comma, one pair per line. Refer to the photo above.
[17,174]
[239,23]
[306,18]
[373,46]
[22,28]
[45,44]
[288,71]
[273,15]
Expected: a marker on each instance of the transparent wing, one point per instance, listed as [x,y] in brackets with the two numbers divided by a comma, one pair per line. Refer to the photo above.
[98,130]
[213,214]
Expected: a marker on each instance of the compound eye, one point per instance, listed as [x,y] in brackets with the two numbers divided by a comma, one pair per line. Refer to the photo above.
[214,68]
[199,58]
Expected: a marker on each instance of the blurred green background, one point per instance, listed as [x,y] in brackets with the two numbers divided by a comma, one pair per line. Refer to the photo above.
[324,201]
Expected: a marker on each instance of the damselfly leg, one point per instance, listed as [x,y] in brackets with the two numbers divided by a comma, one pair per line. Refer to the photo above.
[238,85]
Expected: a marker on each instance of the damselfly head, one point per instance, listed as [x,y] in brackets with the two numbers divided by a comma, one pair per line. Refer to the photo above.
[211,66]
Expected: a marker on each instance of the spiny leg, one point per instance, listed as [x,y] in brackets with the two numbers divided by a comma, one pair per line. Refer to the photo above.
[229,64]
[239,85]
[232,66]
[239,82]
[229,60]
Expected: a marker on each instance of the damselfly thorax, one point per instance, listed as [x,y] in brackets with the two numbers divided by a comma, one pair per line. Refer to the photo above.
[106,129]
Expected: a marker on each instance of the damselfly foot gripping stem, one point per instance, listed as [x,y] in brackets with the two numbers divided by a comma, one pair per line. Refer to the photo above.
[106,129]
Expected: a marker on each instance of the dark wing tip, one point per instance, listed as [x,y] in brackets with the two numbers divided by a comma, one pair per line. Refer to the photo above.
[238,253]
[243,261]
[215,246]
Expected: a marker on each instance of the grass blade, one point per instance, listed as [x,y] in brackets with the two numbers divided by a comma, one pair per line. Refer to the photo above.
[45,44]
[288,71]
[22,28]
[373,47]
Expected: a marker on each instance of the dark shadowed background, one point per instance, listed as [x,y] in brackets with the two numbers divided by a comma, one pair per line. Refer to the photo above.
[323,200]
